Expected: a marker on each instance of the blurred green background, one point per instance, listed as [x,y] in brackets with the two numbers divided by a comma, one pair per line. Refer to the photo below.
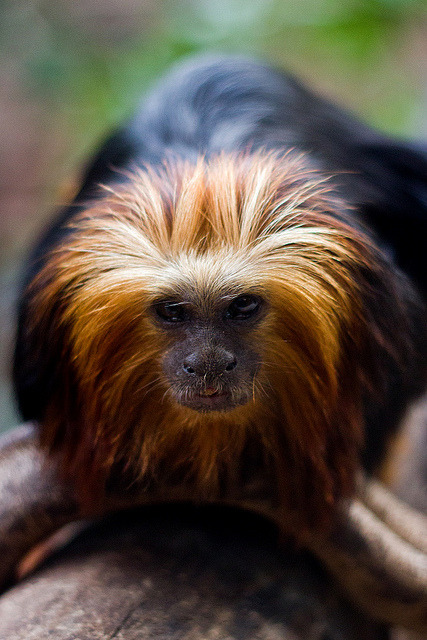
[70,70]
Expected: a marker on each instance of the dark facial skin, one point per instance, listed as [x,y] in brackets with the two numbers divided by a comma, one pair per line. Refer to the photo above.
[211,363]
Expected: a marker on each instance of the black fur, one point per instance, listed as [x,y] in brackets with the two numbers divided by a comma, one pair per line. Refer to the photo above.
[230,103]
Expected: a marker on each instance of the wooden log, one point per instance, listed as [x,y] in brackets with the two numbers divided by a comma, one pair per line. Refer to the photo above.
[180,572]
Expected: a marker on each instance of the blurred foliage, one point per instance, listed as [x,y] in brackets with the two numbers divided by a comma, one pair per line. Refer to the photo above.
[93,58]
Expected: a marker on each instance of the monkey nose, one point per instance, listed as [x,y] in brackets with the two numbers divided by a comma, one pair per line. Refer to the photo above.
[209,364]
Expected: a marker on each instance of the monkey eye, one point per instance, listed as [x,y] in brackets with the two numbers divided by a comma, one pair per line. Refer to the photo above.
[172,311]
[243,307]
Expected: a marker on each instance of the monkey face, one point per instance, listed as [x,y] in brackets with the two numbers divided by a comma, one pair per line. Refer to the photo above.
[210,364]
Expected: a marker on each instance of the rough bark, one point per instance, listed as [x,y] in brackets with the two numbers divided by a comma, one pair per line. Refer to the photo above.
[178,572]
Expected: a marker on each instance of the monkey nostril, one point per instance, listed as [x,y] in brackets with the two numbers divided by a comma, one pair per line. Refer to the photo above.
[188,368]
[231,365]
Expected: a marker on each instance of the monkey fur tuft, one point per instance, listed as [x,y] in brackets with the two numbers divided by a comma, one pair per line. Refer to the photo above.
[210,315]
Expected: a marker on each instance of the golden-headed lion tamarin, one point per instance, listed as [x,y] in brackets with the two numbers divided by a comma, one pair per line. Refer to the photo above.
[201,309]
[221,310]
[219,300]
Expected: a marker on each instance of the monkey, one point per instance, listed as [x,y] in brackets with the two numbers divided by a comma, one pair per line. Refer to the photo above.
[232,309]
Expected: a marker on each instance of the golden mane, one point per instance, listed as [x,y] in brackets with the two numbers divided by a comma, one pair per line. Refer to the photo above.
[226,225]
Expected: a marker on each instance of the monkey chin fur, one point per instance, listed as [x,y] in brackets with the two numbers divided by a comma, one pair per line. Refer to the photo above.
[259,223]
[221,403]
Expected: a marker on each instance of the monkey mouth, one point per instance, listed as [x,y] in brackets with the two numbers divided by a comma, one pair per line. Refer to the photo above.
[210,399]
[211,392]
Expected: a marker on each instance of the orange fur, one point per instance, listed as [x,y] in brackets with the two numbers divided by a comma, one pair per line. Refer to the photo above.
[224,226]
